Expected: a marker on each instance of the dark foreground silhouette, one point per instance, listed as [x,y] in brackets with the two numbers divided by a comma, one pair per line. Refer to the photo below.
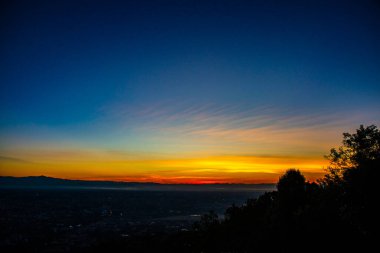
[338,212]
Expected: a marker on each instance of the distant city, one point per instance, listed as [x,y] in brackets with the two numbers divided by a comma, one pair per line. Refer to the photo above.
[42,214]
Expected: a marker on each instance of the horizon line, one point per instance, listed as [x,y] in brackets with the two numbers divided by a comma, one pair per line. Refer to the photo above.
[136,182]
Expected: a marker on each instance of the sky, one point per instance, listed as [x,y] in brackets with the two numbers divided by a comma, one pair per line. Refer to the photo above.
[183,91]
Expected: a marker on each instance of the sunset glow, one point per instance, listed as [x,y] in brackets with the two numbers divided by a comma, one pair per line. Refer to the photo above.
[226,96]
[229,169]
[192,145]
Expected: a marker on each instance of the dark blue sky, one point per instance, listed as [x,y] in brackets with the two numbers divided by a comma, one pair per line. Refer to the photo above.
[63,61]
[183,91]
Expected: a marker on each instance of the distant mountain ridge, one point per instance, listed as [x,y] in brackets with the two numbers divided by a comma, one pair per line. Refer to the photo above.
[51,182]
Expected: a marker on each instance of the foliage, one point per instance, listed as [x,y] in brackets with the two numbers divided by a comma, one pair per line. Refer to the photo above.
[338,212]
[291,190]
[340,207]
[358,149]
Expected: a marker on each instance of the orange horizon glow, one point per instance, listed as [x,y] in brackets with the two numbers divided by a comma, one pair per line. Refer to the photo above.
[195,146]
[202,170]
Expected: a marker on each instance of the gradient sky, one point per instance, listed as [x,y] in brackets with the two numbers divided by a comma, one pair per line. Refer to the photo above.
[183,91]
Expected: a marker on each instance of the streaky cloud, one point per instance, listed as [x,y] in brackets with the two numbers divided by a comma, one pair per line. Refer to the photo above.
[13,160]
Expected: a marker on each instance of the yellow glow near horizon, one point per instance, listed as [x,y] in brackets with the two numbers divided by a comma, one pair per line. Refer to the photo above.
[217,169]
[188,146]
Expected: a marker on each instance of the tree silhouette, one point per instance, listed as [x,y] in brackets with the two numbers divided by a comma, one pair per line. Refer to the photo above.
[337,213]
[361,180]
[358,149]
[353,178]
[291,190]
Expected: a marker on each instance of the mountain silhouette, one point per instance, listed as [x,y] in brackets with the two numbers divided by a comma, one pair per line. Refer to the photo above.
[51,182]
[44,181]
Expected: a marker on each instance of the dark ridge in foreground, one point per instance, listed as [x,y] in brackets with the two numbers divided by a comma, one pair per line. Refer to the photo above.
[338,213]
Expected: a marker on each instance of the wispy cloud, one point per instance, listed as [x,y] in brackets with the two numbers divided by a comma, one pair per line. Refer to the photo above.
[265,129]
[118,164]
[12,160]
[180,142]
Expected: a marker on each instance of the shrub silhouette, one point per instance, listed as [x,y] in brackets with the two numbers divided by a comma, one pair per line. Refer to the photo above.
[340,207]
[353,175]
[336,213]
[359,149]
[291,190]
